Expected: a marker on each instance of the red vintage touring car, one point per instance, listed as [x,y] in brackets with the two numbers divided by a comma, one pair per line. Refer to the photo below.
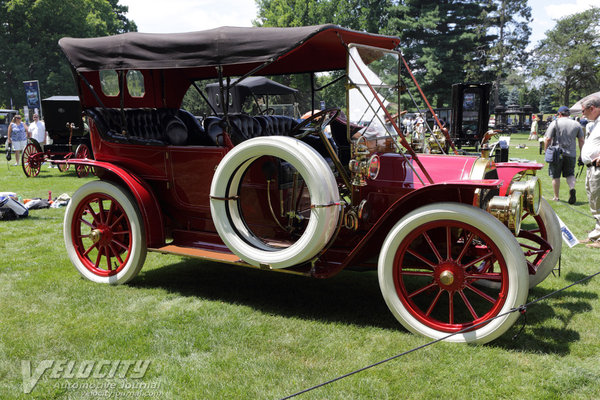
[455,240]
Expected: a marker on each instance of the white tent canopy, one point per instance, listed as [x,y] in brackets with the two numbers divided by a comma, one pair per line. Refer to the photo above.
[576,108]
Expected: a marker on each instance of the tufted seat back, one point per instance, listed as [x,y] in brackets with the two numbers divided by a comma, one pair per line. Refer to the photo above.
[149,126]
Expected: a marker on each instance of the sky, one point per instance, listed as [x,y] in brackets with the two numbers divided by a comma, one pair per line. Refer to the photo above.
[159,16]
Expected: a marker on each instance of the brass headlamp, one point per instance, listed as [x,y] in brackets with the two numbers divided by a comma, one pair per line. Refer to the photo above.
[532,193]
[508,209]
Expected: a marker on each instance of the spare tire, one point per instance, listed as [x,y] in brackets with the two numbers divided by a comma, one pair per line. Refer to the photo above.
[226,211]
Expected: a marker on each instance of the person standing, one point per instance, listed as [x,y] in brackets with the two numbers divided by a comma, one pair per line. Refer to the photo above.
[17,135]
[590,156]
[37,129]
[534,128]
[564,131]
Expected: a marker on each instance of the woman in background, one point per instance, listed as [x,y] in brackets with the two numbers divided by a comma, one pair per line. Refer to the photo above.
[17,135]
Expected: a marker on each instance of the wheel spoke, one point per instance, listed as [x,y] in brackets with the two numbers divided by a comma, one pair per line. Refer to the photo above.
[421,258]
[416,273]
[481,294]
[432,246]
[489,276]
[86,222]
[101,212]
[98,257]
[92,247]
[93,214]
[107,252]
[121,245]
[116,253]
[116,221]
[466,247]
[423,289]
[433,303]
[468,304]
[477,260]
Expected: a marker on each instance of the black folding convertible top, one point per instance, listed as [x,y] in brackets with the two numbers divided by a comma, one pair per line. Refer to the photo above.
[301,49]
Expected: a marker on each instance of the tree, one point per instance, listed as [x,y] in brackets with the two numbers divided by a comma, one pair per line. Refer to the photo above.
[29,33]
[440,41]
[569,57]
[509,21]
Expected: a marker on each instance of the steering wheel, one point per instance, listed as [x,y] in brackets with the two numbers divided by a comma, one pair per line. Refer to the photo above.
[268,111]
[315,123]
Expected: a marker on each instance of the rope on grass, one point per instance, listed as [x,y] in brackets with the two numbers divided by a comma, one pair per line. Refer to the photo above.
[521,309]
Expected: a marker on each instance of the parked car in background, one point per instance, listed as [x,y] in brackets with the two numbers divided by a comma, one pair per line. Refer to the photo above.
[6,117]
[456,241]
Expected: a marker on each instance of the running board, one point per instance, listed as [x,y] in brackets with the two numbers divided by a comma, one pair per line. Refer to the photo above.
[217,256]
[199,253]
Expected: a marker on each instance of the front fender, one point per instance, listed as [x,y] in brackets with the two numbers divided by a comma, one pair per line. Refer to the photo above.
[141,191]
[463,191]
[510,171]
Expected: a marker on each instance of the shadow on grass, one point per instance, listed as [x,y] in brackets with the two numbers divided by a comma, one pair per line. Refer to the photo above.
[557,310]
[350,297]
[354,298]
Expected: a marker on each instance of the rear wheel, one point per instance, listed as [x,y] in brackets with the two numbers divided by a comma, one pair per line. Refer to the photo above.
[104,233]
[429,267]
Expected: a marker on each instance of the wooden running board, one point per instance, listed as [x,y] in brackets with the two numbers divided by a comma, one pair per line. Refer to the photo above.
[199,253]
[217,256]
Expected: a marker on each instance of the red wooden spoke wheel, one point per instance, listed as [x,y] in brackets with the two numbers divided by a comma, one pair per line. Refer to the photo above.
[104,234]
[435,269]
[32,159]
[430,265]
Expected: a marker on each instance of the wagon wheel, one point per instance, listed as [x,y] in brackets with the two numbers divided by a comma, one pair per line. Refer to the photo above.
[83,151]
[31,159]
[65,167]
[104,233]
[315,123]
[431,262]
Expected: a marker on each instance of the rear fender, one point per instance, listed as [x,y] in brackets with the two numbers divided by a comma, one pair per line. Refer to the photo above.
[141,191]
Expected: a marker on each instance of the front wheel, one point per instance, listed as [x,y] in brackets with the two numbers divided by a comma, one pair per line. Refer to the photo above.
[104,233]
[429,267]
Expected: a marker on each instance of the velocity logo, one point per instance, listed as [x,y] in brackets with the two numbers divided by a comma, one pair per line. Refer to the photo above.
[68,369]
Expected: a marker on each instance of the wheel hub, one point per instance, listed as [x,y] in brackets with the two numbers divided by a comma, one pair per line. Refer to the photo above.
[101,235]
[449,276]
[96,235]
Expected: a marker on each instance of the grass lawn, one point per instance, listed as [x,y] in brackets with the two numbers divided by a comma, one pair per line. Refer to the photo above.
[214,331]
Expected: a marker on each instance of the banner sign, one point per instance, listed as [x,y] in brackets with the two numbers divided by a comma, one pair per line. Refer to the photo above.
[32,91]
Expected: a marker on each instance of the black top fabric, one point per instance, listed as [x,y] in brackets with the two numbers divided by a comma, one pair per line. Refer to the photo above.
[309,48]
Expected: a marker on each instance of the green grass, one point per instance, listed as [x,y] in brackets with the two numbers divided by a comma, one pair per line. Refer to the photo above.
[214,331]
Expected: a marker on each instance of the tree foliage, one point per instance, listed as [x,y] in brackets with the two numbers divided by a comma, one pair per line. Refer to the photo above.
[444,41]
[29,34]
[569,57]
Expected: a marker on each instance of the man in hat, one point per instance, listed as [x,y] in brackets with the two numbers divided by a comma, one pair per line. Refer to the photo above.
[590,156]
[563,131]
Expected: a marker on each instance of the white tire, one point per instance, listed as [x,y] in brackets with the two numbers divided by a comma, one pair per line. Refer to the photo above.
[430,291]
[228,219]
[104,233]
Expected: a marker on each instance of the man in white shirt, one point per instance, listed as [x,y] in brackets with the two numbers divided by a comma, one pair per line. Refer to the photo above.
[590,156]
[37,129]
